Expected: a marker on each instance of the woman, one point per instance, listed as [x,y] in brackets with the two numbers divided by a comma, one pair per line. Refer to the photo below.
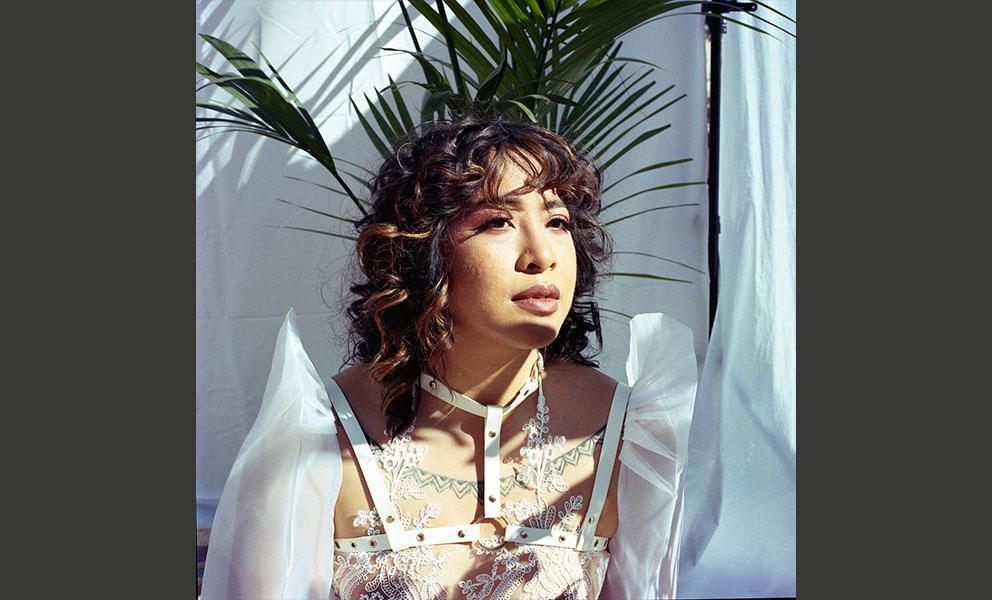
[471,450]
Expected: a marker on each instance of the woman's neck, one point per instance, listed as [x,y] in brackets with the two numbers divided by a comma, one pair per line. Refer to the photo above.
[485,376]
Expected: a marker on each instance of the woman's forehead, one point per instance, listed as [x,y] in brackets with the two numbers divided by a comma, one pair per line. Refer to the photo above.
[512,176]
[513,199]
[515,161]
[515,173]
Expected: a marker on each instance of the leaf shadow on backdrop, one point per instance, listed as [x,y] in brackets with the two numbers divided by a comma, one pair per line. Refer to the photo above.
[608,98]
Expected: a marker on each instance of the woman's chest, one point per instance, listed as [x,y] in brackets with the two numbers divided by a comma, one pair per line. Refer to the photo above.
[544,492]
[512,571]
[437,473]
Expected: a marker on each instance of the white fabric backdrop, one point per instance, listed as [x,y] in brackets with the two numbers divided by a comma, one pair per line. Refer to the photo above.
[249,271]
[741,490]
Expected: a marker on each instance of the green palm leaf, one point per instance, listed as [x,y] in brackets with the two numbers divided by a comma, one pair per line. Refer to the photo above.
[681,264]
[652,189]
[623,134]
[646,169]
[401,106]
[551,62]
[646,276]
[318,212]
[360,180]
[287,122]
[342,236]
[641,212]
[381,145]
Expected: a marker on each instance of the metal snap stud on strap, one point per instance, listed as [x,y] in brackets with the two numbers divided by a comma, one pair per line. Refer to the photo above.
[367,465]
[493,416]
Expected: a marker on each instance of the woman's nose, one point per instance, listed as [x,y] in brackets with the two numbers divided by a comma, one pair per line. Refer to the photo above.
[537,252]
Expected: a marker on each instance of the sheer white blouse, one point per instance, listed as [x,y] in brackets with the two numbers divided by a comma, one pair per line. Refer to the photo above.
[273,532]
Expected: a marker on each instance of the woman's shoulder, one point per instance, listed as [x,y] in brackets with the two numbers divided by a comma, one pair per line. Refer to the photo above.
[354,379]
[585,392]
[577,377]
[364,396]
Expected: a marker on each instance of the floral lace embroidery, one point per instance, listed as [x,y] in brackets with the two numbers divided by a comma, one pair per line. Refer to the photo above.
[563,572]
[415,573]
[411,573]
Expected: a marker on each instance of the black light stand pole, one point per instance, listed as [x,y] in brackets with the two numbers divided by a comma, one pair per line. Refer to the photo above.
[716,28]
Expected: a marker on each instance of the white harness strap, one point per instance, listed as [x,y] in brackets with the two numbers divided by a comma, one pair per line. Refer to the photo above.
[396,538]
[415,537]
[493,415]
[494,421]
[369,469]
[607,456]
[435,386]
[550,537]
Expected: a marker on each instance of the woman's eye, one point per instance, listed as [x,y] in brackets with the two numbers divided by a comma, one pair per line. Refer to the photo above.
[559,223]
[495,223]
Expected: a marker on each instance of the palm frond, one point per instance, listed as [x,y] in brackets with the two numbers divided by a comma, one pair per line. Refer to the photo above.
[666,186]
[318,212]
[284,120]
[342,236]
[646,169]
[551,62]
[641,212]
[646,276]
[681,264]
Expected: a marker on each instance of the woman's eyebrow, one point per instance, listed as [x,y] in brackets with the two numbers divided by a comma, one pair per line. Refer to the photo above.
[513,201]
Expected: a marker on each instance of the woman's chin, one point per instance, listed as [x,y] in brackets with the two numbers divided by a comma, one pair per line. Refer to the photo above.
[536,335]
[532,334]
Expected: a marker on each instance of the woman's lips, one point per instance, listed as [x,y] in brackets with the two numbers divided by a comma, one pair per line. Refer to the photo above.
[538,306]
[539,299]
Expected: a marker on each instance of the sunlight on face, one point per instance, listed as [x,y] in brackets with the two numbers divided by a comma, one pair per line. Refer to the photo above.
[512,271]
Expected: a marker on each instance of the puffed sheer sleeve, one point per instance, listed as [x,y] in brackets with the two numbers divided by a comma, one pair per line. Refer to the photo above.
[273,532]
[661,370]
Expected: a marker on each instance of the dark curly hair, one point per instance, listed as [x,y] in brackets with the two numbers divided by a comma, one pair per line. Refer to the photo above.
[400,324]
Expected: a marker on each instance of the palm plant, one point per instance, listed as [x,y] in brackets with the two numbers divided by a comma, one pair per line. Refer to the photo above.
[552,62]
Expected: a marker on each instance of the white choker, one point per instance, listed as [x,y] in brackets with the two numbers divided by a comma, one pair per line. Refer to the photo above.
[436,387]
[493,414]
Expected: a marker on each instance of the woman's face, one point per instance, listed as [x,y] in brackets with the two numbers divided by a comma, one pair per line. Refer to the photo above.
[512,271]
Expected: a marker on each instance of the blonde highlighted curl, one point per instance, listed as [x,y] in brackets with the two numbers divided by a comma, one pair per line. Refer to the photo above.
[400,323]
